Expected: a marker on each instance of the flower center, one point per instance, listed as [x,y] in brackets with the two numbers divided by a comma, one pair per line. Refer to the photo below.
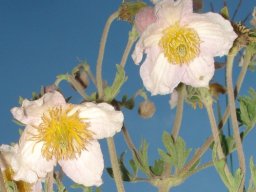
[64,135]
[21,185]
[180,44]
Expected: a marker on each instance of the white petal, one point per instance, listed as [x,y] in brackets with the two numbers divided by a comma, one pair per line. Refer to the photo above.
[30,112]
[199,72]
[8,154]
[149,37]
[87,169]
[215,32]
[158,75]
[104,121]
[30,165]
[171,11]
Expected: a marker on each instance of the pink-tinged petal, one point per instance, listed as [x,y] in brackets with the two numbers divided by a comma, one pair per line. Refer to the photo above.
[215,32]
[171,11]
[158,75]
[30,165]
[86,169]
[144,18]
[103,120]
[199,72]
[31,111]
[149,37]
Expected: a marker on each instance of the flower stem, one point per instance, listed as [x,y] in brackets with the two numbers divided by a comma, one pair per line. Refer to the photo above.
[49,182]
[134,151]
[224,119]
[115,165]
[177,122]
[215,133]
[179,112]
[163,188]
[232,107]
[132,38]
[101,53]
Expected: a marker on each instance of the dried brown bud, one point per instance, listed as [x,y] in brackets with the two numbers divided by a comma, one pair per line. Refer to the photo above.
[146,109]
[82,78]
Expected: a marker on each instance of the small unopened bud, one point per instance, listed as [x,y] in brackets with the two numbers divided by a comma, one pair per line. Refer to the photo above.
[144,18]
[146,109]
[82,78]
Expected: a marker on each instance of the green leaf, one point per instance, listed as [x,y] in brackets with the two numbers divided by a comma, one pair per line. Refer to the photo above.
[177,152]
[158,167]
[11,186]
[248,110]
[111,92]
[134,167]
[253,171]
[165,157]
[125,173]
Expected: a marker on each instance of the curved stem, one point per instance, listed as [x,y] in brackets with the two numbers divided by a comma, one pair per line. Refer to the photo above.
[101,53]
[232,107]
[224,119]
[115,165]
[128,48]
[133,149]
[215,133]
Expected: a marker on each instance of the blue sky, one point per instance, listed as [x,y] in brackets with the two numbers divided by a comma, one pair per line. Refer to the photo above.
[42,39]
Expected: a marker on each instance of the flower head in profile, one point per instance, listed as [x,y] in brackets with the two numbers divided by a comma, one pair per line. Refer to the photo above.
[9,155]
[57,132]
[180,46]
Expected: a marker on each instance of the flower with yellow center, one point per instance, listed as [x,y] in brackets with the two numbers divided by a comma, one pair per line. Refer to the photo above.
[57,132]
[9,155]
[180,46]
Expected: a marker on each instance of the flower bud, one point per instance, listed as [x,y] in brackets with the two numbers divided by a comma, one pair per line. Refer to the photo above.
[144,18]
[146,109]
[82,78]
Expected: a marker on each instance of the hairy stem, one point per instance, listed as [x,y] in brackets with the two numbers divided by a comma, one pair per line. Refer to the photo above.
[133,149]
[216,137]
[115,165]
[202,150]
[128,48]
[232,107]
[49,182]
[179,112]
[101,53]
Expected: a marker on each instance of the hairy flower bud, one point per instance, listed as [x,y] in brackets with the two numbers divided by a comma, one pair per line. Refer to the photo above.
[146,109]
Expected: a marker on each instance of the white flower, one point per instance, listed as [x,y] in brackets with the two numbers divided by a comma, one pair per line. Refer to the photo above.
[59,132]
[9,155]
[180,46]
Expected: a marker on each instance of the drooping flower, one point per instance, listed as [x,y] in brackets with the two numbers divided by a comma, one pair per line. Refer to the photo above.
[57,132]
[180,46]
[9,155]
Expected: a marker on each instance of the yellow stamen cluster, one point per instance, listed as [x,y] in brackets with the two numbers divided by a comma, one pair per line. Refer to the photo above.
[180,44]
[64,135]
[21,185]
